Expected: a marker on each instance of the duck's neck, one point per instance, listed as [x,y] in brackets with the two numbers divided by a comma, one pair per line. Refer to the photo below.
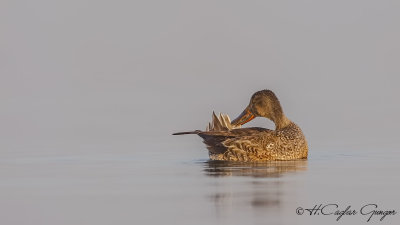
[280,120]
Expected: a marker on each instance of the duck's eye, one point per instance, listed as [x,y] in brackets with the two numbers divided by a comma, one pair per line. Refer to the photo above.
[260,103]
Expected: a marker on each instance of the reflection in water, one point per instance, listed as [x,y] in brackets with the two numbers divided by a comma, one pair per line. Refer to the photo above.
[259,194]
[259,169]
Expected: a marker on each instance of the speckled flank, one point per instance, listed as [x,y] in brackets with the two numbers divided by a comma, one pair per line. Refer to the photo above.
[285,144]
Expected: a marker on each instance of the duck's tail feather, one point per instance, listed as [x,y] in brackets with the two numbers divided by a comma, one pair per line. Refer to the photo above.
[187,132]
[218,123]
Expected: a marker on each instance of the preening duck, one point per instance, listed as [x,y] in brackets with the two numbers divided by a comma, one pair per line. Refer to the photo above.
[226,141]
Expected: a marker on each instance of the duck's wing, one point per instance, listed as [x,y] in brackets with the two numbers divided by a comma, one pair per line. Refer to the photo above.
[251,148]
[221,123]
[220,134]
[215,140]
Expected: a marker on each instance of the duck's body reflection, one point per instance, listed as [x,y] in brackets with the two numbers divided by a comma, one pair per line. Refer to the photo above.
[256,188]
[256,169]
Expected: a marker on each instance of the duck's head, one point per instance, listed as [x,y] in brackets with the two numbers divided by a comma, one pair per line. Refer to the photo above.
[263,104]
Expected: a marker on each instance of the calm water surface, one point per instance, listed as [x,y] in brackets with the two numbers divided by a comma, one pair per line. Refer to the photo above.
[169,183]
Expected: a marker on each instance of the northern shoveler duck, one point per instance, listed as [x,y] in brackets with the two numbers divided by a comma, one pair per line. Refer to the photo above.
[226,141]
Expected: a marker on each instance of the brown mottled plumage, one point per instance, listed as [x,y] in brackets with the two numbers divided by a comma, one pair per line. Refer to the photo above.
[286,142]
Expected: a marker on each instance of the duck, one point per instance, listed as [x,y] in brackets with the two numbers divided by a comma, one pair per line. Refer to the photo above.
[227,141]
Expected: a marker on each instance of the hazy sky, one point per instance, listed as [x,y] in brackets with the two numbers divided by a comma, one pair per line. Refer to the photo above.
[74,73]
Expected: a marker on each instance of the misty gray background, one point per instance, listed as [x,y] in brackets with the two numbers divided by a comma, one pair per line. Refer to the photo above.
[142,68]
[83,72]
[97,78]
